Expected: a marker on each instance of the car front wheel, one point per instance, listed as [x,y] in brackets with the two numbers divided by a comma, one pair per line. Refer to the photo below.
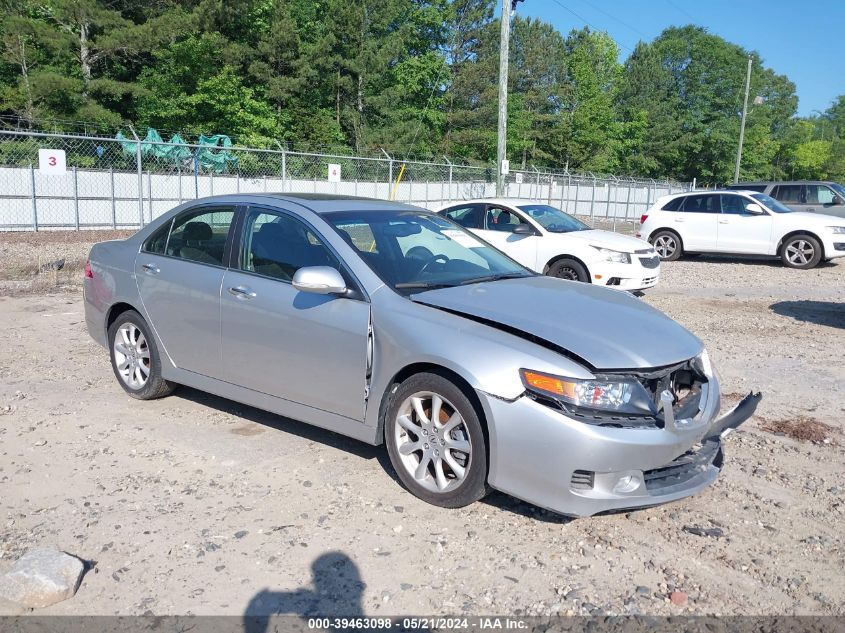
[435,441]
[135,359]
[801,251]
[569,269]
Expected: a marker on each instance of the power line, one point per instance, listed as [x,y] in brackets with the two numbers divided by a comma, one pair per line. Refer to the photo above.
[682,10]
[613,17]
[587,22]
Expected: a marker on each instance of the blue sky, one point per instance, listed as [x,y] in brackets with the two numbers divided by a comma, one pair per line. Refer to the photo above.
[802,39]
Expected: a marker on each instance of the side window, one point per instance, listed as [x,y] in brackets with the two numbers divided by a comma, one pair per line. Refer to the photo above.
[734,205]
[787,194]
[819,194]
[499,219]
[200,236]
[467,217]
[277,245]
[673,205]
[157,242]
[702,203]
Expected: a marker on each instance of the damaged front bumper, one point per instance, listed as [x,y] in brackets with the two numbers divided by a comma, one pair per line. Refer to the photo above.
[540,455]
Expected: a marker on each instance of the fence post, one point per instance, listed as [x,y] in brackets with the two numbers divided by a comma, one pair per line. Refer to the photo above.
[140,177]
[389,170]
[211,182]
[75,199]
[179,175]
[284,170]
[34,202]
[593,198]
[628,200]
[449,190]
[113,203]
[196,174]
[150,193]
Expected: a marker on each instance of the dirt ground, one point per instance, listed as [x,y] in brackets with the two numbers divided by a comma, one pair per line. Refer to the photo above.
[197,505]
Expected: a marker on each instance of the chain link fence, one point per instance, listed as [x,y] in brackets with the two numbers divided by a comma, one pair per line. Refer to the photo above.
[126,183]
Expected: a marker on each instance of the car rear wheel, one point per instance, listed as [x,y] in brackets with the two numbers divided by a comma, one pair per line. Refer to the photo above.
[569,269]
[668,245]
[801,251]
[135,359]
[435,442]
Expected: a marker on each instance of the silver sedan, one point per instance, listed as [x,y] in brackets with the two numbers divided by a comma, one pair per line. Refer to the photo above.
[393,325]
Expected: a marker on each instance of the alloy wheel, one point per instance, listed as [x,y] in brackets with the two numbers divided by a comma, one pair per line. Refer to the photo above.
[665,245]
[433,441]
[132,356]
[800,252]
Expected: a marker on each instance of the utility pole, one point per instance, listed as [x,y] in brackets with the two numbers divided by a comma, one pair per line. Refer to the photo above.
[742,125]
[501,150]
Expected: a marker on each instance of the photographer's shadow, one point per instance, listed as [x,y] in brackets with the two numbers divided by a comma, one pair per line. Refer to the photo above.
[338,592]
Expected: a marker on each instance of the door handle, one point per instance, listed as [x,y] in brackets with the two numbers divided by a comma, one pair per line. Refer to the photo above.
[242,292]
[723,222]
[150,269]
[679,219]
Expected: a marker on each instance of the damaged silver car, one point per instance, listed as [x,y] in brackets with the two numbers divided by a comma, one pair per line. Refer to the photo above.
[390,324]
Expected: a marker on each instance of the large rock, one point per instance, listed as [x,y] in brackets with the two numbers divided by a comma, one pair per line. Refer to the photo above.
[42,577]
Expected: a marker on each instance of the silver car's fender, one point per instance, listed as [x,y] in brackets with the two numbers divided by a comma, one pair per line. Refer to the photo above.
[406,333]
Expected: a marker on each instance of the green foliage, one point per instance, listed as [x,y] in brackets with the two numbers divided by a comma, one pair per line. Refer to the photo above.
[411,76]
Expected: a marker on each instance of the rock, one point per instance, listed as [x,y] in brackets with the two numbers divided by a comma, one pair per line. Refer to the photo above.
[240,534]
[42,577]
[700,531]
[678,598]
[643,591]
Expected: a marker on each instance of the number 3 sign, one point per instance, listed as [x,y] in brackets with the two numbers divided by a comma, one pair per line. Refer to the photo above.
[52,161]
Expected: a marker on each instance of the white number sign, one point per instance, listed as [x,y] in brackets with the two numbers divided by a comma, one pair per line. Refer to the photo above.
[506,167]
[334,172]
[518,178]
[52,161]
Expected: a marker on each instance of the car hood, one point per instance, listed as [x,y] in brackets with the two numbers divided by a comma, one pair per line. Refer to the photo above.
[609,239]
[604,328]
[812,219]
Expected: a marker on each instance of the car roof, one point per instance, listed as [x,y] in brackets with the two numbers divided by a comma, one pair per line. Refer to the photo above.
[784,182]
[318,202]
[509,202]
[698,192]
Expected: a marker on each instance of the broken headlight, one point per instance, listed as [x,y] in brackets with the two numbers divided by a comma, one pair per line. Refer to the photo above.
[617,394]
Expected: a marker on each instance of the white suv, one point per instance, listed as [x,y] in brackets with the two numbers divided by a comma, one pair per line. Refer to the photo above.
[549,241]
[742,222]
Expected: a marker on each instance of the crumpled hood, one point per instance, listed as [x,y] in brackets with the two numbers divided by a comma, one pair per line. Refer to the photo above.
[609,329]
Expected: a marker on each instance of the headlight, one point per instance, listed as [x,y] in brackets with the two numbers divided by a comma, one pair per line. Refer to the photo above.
[839,230]
[620,394]
[614,256]
[705,365]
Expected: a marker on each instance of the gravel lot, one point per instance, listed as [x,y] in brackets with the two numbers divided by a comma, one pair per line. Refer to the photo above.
[194,504]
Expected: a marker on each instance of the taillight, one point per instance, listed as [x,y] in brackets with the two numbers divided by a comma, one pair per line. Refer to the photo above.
[643,218]
[88,272]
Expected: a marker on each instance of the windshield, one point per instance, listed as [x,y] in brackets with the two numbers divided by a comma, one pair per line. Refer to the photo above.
[413,251]
[838,189]
[553,220]
[771,203]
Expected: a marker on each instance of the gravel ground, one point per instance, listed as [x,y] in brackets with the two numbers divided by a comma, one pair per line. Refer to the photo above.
[194,504]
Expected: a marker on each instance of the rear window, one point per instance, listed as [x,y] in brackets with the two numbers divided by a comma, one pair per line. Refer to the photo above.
[787,193]
[702,203]
[673,205]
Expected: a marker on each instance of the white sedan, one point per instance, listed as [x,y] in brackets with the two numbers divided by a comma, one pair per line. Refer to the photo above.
[742,222]
[549,241]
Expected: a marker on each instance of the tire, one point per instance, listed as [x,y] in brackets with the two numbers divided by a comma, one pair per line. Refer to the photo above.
[135,359]
[801,251]
[569,269]
[431,470]
[668,245]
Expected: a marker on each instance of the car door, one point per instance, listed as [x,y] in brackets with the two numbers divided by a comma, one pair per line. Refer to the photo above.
[740,231]
[822,199]
[304,347]
[498,225]
[179,278]
[695,222]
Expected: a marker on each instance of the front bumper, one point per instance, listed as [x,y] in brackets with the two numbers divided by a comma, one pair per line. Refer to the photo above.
[630,277]
[540,455]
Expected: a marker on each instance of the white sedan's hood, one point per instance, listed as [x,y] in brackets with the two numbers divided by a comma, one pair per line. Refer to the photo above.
[810,220]
[608,239]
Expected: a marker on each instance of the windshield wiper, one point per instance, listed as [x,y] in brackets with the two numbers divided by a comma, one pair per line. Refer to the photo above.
[427,285]
[478,280]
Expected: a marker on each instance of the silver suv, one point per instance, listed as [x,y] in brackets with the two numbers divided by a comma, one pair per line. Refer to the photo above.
[812,196]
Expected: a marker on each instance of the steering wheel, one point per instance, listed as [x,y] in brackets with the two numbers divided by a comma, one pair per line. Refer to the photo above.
[442,258]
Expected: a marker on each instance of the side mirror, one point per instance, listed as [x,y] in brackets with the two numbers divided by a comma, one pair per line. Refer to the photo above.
[321,280]
[837,200]
[754,208]
[523,229]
